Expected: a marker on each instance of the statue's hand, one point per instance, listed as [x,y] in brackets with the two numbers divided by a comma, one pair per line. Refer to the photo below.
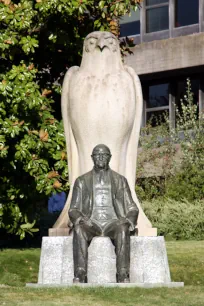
[123,221]
[86,221]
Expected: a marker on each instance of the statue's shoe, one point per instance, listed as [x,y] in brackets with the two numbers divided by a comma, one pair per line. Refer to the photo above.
[123,276]
[124,280]
[80,276]
[77,280]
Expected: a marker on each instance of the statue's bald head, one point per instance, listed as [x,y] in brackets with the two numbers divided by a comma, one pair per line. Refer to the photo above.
[101,156]
[101,148]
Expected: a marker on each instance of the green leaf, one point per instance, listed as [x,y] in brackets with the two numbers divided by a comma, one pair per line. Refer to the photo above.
[27,225]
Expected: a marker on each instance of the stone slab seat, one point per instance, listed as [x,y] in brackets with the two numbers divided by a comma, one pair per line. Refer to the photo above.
[148,261]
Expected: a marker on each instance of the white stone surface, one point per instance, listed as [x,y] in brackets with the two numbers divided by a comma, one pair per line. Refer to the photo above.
[101,261]
[102,103]
[111,285]
[56,261]
[148,261]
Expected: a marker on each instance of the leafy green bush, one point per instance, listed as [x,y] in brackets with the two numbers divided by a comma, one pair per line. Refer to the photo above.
[150,188]
[177,219]
[184,175]
[187,183]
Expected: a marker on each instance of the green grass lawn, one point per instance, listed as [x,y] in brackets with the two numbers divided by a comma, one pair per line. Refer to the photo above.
[186,260]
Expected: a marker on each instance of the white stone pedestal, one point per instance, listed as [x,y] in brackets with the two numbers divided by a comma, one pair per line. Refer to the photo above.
[101,261]
[148,262]
[56,261]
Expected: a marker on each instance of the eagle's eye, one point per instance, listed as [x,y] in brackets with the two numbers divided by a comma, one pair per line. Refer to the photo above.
[110,40]
[92,41]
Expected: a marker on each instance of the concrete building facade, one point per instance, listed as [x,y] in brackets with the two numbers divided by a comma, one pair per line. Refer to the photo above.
[169,48]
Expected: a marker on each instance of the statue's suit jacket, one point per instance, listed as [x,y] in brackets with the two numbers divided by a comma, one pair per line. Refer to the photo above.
[82,198]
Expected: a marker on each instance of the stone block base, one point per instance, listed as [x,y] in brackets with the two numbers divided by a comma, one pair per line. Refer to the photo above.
[110,285]
[101,261]
[148,261]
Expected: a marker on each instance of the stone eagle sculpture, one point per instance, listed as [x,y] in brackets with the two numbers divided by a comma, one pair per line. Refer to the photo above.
[102,103]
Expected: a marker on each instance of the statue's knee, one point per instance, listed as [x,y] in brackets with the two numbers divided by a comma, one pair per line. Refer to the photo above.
[124,229]
[78,229]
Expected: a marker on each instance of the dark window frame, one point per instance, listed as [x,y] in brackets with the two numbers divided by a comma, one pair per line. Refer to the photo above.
[153,109]
[175,12]
[150,7]
[172,31]
[172,97]
[136,36]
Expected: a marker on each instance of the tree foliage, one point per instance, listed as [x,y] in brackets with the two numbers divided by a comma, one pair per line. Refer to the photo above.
[39,41]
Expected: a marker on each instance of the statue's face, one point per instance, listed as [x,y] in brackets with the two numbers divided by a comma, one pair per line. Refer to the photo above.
[101,41]
[101,157]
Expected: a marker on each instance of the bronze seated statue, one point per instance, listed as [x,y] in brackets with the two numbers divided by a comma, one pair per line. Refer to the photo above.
[102,205]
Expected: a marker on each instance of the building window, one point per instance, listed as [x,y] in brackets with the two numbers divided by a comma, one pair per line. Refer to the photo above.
[157,15]
[157,104]
[163,99]
[186,12]
[158,96]
[130,24]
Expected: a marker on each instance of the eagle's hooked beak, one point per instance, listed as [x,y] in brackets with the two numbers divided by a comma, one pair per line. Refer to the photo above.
[101,44]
